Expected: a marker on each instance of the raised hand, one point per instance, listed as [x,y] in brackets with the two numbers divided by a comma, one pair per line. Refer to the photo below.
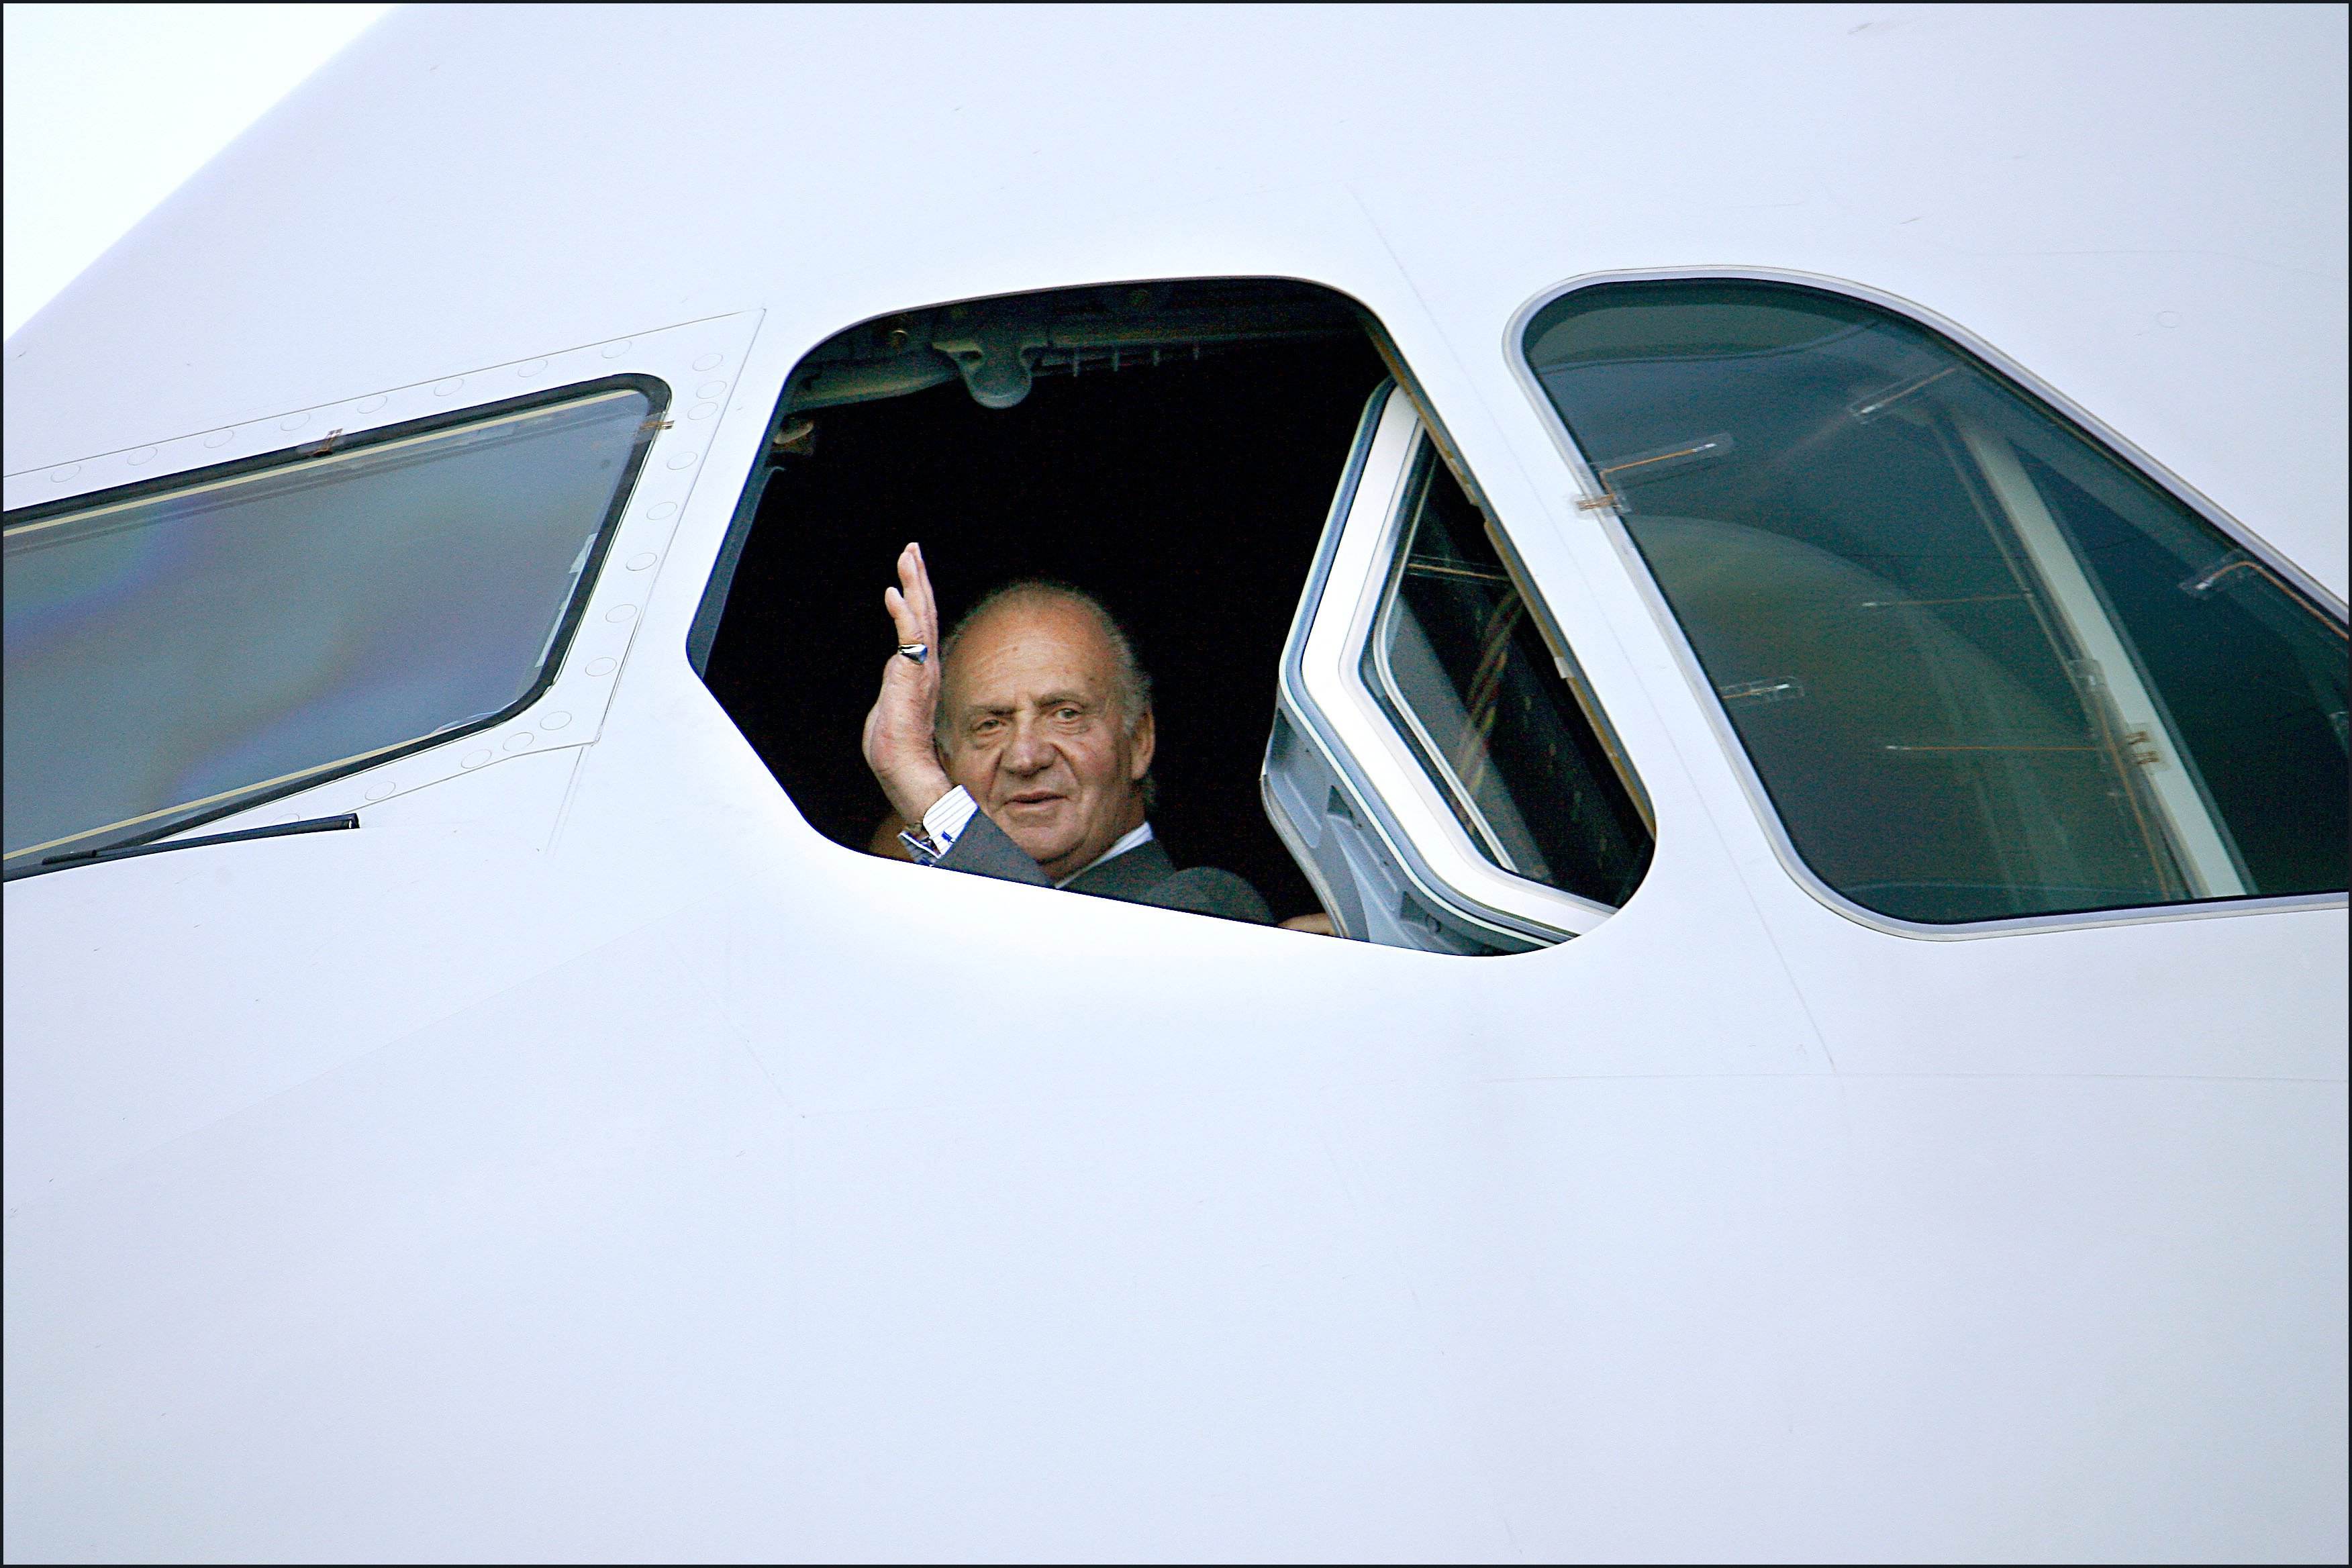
[899,730]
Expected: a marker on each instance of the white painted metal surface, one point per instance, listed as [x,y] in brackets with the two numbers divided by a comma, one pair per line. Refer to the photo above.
[568,1164]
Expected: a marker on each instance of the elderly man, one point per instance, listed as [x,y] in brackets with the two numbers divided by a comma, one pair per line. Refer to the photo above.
[1021,748]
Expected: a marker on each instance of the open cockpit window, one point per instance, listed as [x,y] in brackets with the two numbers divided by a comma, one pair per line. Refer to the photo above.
[1984,669]
[194,646]
[1457,661]
[1154,463]
[1439,764]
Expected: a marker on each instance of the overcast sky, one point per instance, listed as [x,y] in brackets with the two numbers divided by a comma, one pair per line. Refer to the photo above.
[110,108]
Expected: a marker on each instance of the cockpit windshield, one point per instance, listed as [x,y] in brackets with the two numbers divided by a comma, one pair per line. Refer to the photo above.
[1983,667]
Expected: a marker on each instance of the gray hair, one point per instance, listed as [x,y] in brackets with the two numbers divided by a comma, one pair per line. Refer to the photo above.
[1130,682]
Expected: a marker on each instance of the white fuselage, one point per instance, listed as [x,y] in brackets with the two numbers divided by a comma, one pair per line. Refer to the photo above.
[587,1159]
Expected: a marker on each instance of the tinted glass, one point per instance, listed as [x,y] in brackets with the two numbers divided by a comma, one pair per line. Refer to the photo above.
[1462,669]
[1983,667]
[172,655]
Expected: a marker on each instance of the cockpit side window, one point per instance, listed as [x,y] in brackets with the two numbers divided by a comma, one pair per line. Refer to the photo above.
[1457,661]
[1438,766]
[193,647]
[1983,668]
[1158,461]
[1168,448]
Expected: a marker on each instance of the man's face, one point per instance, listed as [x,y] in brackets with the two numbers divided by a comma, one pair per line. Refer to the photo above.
[1035,733]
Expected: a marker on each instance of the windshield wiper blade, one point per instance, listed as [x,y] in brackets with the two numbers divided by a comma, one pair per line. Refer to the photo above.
[126,851]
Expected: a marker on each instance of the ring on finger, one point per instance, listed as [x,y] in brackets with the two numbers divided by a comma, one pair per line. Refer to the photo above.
[916,651]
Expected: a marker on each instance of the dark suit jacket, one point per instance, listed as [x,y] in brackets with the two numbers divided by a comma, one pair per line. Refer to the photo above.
[1144,875]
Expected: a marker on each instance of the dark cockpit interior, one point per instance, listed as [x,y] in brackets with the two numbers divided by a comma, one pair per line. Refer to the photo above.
[1172,449]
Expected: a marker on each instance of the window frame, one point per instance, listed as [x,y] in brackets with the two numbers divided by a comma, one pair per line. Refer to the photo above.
[1346,596]
[1593,499]
[659,399]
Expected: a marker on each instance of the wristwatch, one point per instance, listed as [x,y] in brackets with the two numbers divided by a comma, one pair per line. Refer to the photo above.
[945,820]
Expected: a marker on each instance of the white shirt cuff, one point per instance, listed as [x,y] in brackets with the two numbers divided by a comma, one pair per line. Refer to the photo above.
[949,816]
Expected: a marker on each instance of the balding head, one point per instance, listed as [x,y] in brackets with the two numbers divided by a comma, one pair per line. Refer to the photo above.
[1046,717]
[1132,684]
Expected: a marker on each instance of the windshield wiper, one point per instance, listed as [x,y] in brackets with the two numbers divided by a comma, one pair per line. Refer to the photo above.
[124,852]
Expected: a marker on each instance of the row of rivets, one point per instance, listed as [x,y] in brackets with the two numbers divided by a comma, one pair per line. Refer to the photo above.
[708,393]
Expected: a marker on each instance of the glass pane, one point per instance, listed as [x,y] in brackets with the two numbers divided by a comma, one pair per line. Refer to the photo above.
[1983,668]
[171,655]
[1462,669]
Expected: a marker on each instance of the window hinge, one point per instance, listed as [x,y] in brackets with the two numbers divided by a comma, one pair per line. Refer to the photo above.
[796,439]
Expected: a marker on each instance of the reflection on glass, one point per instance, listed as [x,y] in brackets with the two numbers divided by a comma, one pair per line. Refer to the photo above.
[1984,669]
[171,655]
[1462,669]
